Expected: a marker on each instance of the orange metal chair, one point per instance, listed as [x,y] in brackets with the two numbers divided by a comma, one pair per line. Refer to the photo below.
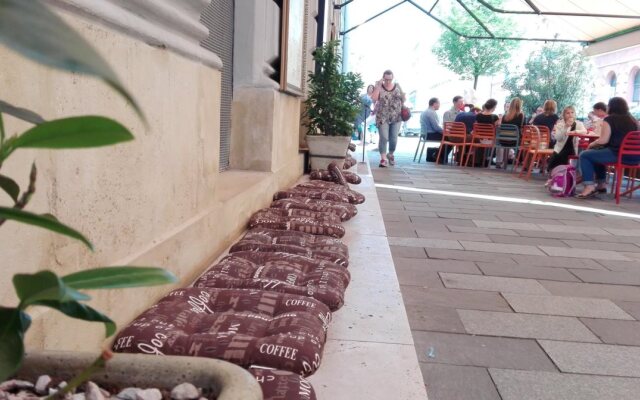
[482,137]
[454,134]
[525,143]
[539,150]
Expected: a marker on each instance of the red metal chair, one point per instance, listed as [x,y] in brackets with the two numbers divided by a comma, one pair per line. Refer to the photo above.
[630,147]
[525,143]
[482,137]
[453,134]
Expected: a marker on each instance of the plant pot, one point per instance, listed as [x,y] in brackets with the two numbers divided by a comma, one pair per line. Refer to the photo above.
[325,149]
[217,378]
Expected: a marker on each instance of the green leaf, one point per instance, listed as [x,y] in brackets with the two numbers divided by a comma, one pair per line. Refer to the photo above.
[43,222]
[44,286]
[118,277]
[10,186]
[31,29]
[74,132]
[21,113]
[1,130]
[77,310]
[13,324]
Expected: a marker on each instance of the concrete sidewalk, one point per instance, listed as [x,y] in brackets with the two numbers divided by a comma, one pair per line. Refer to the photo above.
[513,297]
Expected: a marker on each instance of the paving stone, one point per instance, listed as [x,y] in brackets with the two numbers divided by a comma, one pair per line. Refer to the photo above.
[394,217]
[468,255]
[597,290]
[454,298]
[492,283]
[501,248]
[425,317]
[613,239]
[538,385]
[421,242]
[623,232]
[615,332]
[562,262]
[485,216]
[583,253]
[616,278]
[596,359]
[427,223]
[430,234]
[408,252]
[508,225]
[521,271]
[553,235]
[567,306]
[529,241]
[480,351]
[445,382]
[525,326]
[595,245]
[465,267]
[573,229]
[631,307]
[487,231]
[621,266]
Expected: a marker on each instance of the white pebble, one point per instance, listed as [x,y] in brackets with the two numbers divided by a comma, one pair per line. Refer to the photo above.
[149,394]
[185,391]
[42,384]
[92,391]
[129,393]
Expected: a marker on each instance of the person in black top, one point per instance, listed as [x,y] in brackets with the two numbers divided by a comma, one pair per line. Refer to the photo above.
[548,117]
[605,149]
[487,116]
[514,116]
[468,118]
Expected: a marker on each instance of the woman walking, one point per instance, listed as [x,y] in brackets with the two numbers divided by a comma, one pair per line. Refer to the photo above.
[389,98]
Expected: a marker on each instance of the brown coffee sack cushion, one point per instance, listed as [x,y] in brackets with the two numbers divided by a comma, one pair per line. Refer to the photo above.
[313,242]
[284,273]
[325,175]
[336,174]
[311,193]
[259,248]
[245,327]
[322,223]
[323,216]
[353,197]
[345,211]
[349,162]
[282,385]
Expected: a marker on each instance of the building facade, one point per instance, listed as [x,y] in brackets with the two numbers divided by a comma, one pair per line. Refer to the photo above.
[223,135]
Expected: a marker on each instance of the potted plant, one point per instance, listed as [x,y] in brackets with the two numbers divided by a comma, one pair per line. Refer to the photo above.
[59,46]
[332,105]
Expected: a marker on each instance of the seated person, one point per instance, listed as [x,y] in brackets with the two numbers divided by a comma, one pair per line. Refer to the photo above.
[548,117]
[487,116]
[514,116]
[599,113]
[605,149]
[430,121]
[565,145]
[468,118]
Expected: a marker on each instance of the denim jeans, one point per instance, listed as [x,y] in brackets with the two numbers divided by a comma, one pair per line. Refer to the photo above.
[592,163]
[388,133]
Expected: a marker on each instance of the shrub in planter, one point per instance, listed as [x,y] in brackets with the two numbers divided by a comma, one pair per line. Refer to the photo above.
[332,105]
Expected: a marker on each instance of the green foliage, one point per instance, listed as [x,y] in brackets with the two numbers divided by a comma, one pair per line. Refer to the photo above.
[334,97]
[559,72]
[31,29]
[471,58]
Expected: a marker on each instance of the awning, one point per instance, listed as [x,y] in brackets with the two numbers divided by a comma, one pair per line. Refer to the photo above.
[590,22]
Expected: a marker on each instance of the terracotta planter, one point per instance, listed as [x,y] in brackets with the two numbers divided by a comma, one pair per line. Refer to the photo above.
[219,378]
[325,149]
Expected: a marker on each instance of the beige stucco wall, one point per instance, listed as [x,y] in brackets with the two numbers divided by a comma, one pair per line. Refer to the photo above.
[157,201]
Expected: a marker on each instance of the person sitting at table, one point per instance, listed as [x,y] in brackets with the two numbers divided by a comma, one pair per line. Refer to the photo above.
[539,111]
[599,113]
[514,116]
[605,149]
[468,118]
[487,116]
[566,145]
[548,117]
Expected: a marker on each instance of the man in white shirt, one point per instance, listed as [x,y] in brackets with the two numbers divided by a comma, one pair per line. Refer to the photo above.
[600,112]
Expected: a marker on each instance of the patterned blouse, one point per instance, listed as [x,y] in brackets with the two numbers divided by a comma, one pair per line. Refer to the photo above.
[389,105]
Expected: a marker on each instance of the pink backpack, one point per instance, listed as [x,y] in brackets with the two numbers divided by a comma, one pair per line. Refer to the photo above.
[563,181]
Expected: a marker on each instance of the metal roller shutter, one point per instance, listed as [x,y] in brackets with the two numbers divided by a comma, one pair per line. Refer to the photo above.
[218,17]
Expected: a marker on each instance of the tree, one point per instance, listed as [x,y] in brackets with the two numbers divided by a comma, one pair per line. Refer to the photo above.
[471,58]
[558,71]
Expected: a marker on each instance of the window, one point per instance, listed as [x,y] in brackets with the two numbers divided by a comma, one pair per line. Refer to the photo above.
[635,93]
